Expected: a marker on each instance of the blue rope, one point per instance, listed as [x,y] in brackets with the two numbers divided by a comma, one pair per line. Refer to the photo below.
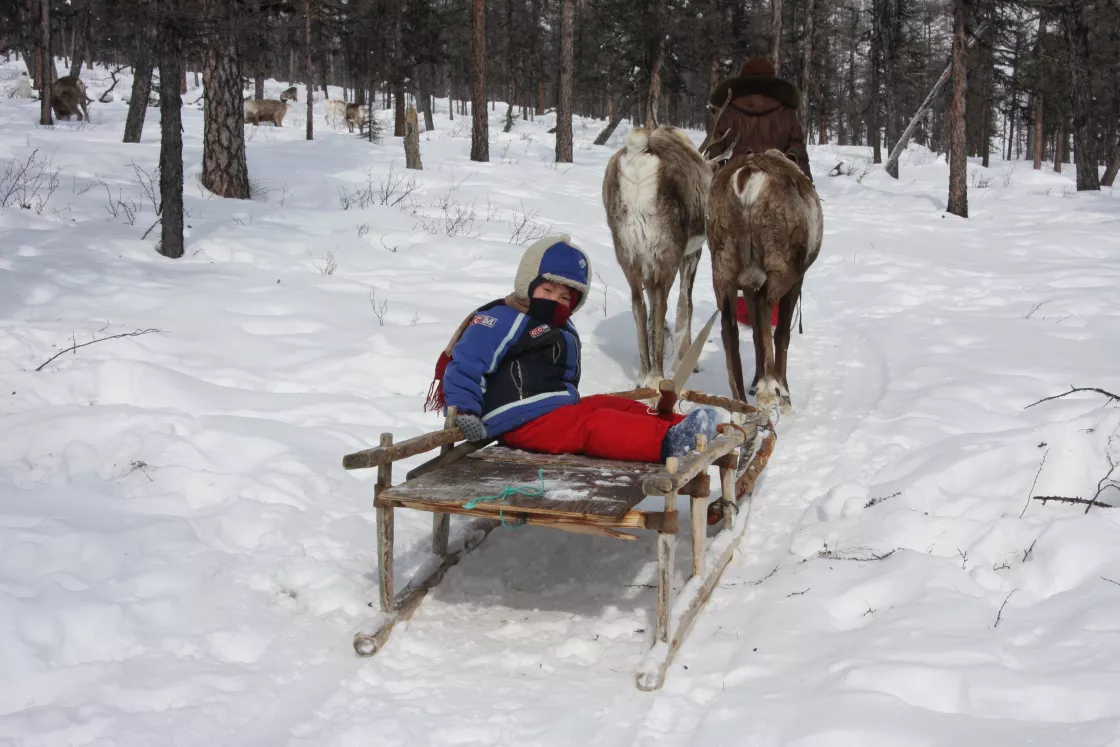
[508,492]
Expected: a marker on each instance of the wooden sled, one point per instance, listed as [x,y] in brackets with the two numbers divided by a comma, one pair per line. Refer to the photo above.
[582,494]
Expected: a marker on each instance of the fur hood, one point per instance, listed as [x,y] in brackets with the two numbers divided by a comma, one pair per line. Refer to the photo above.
[556,259]
[779,90]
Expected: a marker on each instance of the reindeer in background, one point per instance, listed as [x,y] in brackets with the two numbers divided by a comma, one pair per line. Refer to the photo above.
[764,231]
[655,192]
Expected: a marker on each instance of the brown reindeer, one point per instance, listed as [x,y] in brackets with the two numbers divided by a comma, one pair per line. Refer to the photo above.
[265,110]
[764,231]
[655,191]
[68,97]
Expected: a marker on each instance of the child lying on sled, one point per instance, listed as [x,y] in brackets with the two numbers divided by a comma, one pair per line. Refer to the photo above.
[512,368]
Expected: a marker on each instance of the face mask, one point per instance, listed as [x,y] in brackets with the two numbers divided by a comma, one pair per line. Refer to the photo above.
[547,310]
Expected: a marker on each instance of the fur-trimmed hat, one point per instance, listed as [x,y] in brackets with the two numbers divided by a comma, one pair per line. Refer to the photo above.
[556,259]
[758,66]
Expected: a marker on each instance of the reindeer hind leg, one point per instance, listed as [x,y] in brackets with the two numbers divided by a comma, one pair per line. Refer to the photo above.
[786,308]
[641,321]
[659,301]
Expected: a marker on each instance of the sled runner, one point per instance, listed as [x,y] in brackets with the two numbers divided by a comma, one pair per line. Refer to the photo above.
[576,494]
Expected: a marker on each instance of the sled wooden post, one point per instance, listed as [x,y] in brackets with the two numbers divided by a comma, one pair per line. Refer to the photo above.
[666,544]
[727,486]
[698,516]
[385,531]
[441,522]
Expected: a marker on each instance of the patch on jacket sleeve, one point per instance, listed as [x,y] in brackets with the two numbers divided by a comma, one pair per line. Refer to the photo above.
[484,320]
[539,330]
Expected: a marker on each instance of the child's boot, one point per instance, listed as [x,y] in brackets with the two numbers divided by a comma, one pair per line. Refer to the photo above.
[681,438]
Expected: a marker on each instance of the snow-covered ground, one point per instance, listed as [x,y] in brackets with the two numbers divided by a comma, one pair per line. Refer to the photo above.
[184,562]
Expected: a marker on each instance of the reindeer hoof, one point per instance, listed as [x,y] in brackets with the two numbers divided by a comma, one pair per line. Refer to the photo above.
[785,405]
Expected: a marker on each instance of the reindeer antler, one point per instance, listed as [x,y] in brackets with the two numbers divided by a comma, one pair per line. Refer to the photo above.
[717,113]
[727,153]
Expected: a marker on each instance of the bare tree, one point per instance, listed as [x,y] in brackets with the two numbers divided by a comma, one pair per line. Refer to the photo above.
[46,64]
[480,130]
[564,92]
[142,65]
[958,163]
[309,70]
[171,143]
[776,35]
[807,60]
[1076,18]
[1038,100]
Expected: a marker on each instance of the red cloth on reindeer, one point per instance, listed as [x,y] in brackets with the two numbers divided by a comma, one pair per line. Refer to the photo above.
[601,426]
[744,316]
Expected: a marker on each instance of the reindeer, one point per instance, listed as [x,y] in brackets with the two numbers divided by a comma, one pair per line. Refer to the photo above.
[764,231]
[265,110]
[68,97]
[335,112]
[655,192]
[353,117]
[290,94]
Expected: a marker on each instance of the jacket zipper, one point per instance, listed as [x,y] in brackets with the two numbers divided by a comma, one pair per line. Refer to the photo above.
[518,380]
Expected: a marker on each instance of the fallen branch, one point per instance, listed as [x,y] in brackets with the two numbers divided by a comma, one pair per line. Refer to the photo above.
[1109,580]
[1090,502]
[137,333]
[150,228]
[999,615]
[103,97]
[1074,389]
[862,554]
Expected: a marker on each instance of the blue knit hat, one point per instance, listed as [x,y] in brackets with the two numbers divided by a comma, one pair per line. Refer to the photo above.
[556,259]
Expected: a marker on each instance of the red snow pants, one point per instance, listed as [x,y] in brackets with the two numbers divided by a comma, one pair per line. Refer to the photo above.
[601,426]
[744,316]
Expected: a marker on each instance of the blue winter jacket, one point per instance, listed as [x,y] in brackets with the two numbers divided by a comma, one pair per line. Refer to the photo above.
[509,367]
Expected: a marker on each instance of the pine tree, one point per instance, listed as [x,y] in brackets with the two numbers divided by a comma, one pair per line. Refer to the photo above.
[224,169]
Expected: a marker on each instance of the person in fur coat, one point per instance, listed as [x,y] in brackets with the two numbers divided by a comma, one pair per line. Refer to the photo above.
[512,371]
[762,114]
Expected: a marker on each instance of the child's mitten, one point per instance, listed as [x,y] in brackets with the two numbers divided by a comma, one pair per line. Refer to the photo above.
[471,426]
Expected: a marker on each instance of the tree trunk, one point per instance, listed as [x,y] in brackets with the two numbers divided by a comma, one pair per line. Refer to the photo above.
[564,87]
[958,163]
[480,130]
[874,131]
[142,80]
[398,68]
[1059,147]
[807,64]
[619,114]
[1109,177]
[655,80]
[224,171]
[258,85]
[776,35]
[1076,26]
[46,62]
[170,147]
[412,140]
[309,70]
[1038,99]
[80,39]
[424,73]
